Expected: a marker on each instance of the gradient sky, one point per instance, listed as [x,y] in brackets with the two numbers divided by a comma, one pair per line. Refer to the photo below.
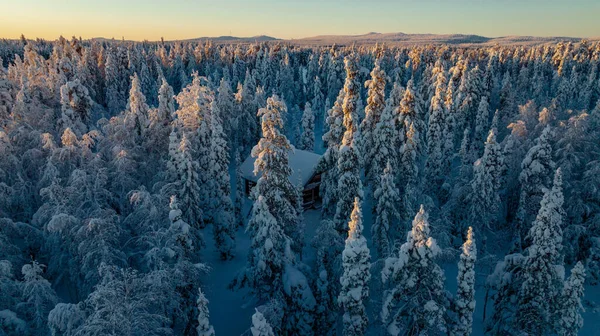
[181,19]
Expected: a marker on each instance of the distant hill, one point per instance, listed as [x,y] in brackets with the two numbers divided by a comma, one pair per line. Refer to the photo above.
[235,39]
[392,39]
[412,39]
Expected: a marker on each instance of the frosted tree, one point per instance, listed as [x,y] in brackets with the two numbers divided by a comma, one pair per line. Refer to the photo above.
[117,79]
[307,142]
[542,282]
[76,107]
[300,303]
[409,166]
[137,111]
[373,111]
[415,303]
[188,189]
[272,161]
[267,257]
[240,193]
[410,113]
[465,293]
[226,108]
[166,101]
[318,100]
[536,170]
[569,319]
[482,121]
[435,135]
[260,326]
[485,186]
[387,198]
[220,203]
[38,297]
[204,328]
[349,184]
[355,279]
[328,163]
[384,139]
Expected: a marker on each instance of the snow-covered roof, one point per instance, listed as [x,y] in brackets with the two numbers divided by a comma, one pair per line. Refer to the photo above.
[302,163]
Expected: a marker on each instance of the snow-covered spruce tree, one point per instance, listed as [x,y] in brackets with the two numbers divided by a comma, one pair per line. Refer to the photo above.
[542,278]
[166,102]
[260,326]
[38,298]
[410,113]
[267,258]
[271,153]
[349,184]
[220,203]
[569,319]
[226,109]
[204,328]
[117,79]
[187,185]
[415,303]
[76,107]
[387,198]
[318,100]
[409,166]
[485,187]
[307,142]
[536,170]
[482,121]
[300,303]
[137,111]
[436,137]
[373,111]
[384,139]
[328,163]
[328,244]
[355,279]
[464,303]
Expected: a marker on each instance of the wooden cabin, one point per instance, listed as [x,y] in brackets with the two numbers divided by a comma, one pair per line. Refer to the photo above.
[303,164]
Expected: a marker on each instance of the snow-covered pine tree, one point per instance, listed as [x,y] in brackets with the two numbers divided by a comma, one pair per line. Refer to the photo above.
[384,137]
[409,166]
[536,170]
[260,326]
[307,142]
[387,199]
[482,120]
[348,164]
[76,107]
[356,276]
[267,258]
[38,298]
[542,279]
[204,328]
[415,303]
[137,111]
[465,294]
[373,111]
[568,318]
[272,161]
[328,164]
[300,303]
[220,203]
[436,137]
[166,101]
[188,184]
[486,183]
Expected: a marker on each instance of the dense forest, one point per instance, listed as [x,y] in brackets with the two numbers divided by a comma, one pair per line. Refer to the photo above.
[120,179]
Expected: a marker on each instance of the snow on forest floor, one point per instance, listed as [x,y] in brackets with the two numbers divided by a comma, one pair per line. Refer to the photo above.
[231,311]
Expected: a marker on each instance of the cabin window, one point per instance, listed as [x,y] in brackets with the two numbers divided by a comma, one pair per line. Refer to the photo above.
[249,186]
[315,179]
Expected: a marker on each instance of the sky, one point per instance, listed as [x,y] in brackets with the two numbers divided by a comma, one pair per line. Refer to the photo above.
[183,19]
